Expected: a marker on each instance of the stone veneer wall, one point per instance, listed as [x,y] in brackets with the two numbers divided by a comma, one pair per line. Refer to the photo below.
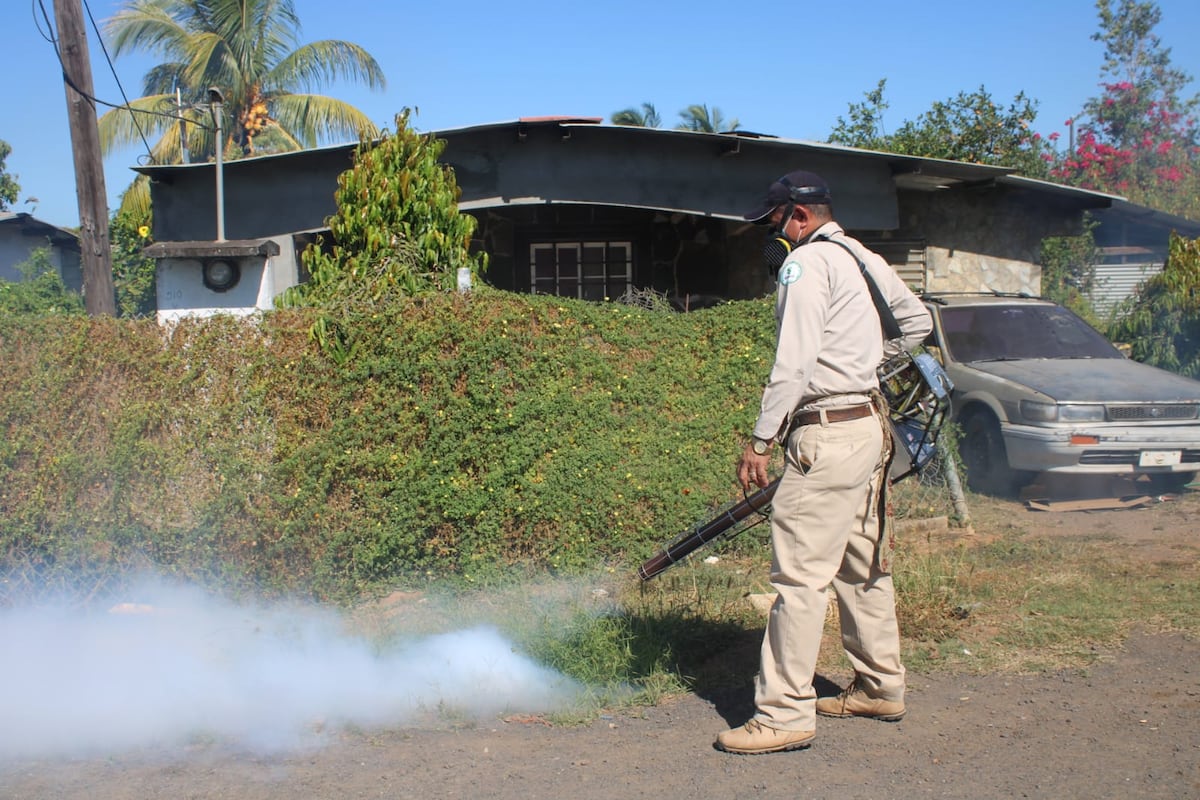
[985,239]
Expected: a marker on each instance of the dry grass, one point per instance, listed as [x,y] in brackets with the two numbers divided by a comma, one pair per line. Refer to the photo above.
[1018,592]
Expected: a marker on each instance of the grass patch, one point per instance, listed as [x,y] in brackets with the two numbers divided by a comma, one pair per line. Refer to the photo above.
[1018,602]
[1010,602]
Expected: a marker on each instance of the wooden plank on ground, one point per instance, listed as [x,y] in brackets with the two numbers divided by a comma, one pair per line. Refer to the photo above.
[1091,504]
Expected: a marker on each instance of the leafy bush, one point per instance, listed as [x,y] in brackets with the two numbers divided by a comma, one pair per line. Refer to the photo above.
[42,290]
[1162,322]
[470,436]
[397,232]
[133,273]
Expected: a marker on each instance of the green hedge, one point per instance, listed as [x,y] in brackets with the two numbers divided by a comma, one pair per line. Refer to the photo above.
[468,437]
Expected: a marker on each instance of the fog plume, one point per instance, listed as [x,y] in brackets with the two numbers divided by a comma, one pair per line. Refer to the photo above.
[166,666]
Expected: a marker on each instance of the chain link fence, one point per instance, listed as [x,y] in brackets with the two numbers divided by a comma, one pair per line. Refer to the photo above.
[935,491]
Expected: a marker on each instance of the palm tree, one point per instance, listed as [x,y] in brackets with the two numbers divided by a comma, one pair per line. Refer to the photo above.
[698,118]
[646,118]
[248,50]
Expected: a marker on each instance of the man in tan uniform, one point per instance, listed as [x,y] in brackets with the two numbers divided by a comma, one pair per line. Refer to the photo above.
[825,527]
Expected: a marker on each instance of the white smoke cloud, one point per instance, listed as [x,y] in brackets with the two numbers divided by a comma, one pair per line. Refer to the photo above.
[174,665]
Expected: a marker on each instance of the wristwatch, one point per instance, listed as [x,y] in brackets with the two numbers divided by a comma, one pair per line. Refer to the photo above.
[761,446]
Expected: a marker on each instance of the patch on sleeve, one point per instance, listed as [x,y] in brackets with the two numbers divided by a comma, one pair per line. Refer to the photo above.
[790,273]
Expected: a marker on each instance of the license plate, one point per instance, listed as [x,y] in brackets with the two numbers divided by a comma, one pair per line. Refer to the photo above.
[1159,458]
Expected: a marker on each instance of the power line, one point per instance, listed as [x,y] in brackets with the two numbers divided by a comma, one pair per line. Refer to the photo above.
[49,35]
[117,78]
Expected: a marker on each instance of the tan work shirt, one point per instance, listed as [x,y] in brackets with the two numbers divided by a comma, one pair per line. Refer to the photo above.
[830,340]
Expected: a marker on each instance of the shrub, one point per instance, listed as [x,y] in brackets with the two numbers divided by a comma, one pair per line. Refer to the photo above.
[471,436]
[1162,322]
[41,291]
[397,232]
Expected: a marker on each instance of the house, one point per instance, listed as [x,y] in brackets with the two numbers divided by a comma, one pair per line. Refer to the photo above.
[571,206]
[1132,242]
[21,234]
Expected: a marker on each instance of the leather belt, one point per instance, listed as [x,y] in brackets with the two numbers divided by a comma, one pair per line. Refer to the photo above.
[832,414]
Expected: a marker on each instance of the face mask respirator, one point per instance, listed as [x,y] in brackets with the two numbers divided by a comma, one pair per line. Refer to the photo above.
[778,245]
[775,252]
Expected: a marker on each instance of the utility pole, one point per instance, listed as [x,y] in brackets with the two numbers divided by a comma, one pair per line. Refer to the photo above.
[98,295]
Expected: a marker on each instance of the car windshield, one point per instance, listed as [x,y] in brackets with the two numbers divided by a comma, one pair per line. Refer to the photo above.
[1002,332]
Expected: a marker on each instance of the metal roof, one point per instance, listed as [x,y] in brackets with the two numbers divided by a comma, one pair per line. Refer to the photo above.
[913,173]
[1149,216]
[33,226]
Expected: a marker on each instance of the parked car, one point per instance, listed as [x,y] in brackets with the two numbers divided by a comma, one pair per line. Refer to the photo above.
[1036,389]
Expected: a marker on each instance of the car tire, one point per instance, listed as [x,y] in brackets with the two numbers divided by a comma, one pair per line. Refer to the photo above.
[985,459]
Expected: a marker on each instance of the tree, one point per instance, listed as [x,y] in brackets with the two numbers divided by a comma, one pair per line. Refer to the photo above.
[1140,136]
[9,188]
[700,118]
[397,232]
[864,129]
[249,50]
[969,127]
[1069,272]
[646,117]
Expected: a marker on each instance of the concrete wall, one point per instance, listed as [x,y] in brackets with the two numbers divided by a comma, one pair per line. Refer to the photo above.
[267,196]
[267,268]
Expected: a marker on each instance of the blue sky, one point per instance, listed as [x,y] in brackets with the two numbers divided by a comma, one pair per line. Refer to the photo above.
[468,62]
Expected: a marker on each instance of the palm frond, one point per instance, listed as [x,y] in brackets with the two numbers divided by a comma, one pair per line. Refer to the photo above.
[318,63]
[275,139]
[148,26]
[700,118]
[145,117]
[646,117]
[324,118]
[165,78]
[135,200]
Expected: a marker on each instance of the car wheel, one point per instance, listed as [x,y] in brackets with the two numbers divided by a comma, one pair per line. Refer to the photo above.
[985,459]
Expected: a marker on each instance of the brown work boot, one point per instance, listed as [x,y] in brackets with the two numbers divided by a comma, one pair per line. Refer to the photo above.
[754,738]
[855,702]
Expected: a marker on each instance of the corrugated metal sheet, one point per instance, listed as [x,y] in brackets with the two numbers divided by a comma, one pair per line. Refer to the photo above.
[1116,282]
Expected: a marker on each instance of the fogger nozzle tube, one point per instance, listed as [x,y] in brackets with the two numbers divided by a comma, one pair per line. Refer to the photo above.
[691,541]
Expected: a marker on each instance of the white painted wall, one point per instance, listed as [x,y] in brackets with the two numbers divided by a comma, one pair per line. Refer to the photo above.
[182,293]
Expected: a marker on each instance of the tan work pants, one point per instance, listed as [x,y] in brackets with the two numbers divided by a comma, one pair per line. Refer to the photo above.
[825,529]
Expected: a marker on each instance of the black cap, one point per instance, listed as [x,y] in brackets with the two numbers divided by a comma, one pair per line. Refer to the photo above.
[800,187]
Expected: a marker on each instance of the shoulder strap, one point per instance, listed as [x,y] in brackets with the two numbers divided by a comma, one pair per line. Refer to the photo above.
[891,328]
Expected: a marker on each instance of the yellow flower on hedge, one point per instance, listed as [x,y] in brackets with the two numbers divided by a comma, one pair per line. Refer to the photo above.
[144,231]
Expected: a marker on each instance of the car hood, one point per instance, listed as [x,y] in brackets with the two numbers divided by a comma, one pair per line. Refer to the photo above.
[1090,379]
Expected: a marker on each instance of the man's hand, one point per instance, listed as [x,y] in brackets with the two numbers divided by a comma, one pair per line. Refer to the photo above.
[753,469]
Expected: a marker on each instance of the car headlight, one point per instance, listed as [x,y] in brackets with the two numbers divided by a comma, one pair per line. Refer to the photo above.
[1036,411]
[1074,412]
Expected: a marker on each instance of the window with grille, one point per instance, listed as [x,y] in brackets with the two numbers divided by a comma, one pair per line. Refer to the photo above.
[587,270]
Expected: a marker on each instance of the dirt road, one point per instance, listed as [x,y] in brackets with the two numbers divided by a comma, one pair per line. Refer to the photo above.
[1129,727]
